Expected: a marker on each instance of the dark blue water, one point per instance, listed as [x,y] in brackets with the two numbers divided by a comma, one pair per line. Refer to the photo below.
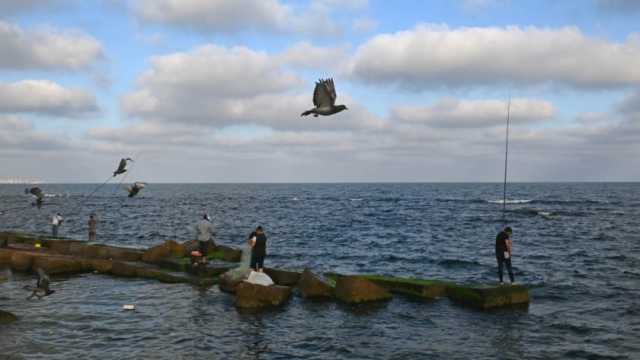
[576,246]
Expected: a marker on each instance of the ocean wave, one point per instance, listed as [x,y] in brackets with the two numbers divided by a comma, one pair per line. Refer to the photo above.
[512,201]
[468,201]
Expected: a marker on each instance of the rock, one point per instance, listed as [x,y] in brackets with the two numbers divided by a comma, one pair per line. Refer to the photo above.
[354,290]
[283,277]
[313,286]
[99,265]
[5,258]
[427,289]
[191,245]
[159,252]
[226,253]
[252,296]
[21,260]
[59,264]
[489,297]
[230,279]
[120,268]
[7,317]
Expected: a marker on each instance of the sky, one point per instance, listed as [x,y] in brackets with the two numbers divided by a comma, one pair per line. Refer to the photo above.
[212,90]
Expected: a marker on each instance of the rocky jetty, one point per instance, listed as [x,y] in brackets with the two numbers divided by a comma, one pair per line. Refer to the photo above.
[169,262]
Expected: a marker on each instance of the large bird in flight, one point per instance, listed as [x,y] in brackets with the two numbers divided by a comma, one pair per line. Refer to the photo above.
[324,99]
[122,167]
[135,188]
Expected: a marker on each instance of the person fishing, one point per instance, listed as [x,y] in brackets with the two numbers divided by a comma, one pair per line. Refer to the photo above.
[56,221]
[503,253]
[259,249]
[205,234]
[93,225]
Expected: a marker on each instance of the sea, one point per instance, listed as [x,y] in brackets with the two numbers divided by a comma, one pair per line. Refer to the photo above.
[576,246]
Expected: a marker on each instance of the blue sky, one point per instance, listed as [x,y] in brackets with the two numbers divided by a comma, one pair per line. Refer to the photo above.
[409,120]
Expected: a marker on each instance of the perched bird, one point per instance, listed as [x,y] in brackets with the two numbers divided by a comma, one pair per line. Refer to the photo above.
[42,286]
[324,99]
[122,167]
[135,188]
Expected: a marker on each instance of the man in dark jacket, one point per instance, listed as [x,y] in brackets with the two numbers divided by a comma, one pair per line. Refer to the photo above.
[503,252]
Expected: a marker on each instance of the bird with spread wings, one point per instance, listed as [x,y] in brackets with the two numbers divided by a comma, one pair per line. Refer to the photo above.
[324,99]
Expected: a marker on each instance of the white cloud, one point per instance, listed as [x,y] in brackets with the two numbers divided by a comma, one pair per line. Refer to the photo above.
[619,6]
[45,97]
[18,136]
[306,55]
[453,113]
[235,86]
[10,7]
[47,49]
[240,16]
[430,56]
[364,25]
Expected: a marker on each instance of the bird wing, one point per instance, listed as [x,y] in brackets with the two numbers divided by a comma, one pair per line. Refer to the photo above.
[331,88]
[122,165]
[37,192]
[322,95]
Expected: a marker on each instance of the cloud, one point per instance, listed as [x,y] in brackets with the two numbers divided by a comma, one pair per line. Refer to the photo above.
[430,56]
[18,136]
[630,104]
[306,55]
[45,98]
[241,16]
[619,6]
[453,113]
[47,49]
[234,86]
[10,7]
[364,25]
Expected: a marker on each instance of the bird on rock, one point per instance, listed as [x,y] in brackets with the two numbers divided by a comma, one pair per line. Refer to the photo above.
[324,99]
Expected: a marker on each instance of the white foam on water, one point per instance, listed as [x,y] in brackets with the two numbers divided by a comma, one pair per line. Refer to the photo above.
[514,201]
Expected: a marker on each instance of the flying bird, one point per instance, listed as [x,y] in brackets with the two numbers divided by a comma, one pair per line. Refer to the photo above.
[37,192]
[122,167]
[324,99]
[135,188]
[42,286]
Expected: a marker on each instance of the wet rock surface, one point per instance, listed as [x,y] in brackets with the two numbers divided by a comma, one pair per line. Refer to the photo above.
[253,296]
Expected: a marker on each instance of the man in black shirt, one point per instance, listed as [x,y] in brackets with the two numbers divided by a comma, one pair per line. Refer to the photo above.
[503,252]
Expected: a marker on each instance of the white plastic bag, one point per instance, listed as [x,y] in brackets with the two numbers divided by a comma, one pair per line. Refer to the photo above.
[259,278]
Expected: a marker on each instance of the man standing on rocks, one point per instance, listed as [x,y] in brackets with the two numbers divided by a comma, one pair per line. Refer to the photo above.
[503,252]
[205,233]
[93,224]
[56,221]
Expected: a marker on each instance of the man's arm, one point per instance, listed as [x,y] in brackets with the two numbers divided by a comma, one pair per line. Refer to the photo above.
[509,244]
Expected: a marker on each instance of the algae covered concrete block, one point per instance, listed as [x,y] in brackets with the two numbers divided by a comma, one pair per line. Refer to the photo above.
[427,289]
[355,290]
[489,297]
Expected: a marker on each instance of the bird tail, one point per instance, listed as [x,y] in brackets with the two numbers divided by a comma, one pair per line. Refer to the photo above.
[308,112]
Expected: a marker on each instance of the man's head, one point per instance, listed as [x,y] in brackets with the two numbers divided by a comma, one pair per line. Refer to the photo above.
[508,230]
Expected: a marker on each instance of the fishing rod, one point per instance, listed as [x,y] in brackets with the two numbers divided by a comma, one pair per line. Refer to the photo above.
[506,156]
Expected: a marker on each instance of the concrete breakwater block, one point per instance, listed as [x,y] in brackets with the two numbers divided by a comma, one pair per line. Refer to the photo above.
[253,296]
[314,286]
[489,297]
[7,317]
[356,290]
[427,289]
[283,277]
